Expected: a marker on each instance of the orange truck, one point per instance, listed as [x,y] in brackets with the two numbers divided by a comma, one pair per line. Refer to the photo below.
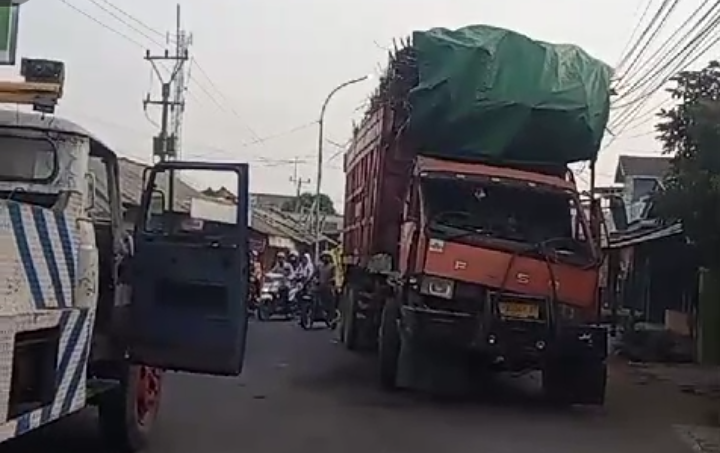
[456,265]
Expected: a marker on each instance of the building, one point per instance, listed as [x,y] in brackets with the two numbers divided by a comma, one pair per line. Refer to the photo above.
[652,272]
[270,201]
[332,225]
[640,176]
[269,232]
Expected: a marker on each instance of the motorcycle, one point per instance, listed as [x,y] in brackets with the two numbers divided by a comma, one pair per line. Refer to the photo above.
[275,297]
[254,298]
[312,309]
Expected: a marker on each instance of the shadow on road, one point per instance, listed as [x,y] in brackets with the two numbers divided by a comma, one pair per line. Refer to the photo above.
[352,380]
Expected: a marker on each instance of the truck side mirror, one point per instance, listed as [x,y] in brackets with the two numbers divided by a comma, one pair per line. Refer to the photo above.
[157,202]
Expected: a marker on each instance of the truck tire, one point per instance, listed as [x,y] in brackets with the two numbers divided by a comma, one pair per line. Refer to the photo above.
[579,381]
[127,413]
[389,343]
[350,334]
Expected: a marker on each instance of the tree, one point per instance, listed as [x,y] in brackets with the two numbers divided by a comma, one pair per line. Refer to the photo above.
[690,131]
[305,202]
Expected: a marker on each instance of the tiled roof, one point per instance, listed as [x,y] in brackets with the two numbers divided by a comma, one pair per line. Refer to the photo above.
[653,166]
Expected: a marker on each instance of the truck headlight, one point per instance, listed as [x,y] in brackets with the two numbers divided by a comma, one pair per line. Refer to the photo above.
[437,287]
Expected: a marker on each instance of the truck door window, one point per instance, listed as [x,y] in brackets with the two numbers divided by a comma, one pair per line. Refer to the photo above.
[196,206]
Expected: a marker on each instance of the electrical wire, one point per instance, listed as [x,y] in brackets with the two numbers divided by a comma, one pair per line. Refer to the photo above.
[135,19]
[705,23]
[225,107]
[678,62]
[668,6]
[656,58]
[693,55]
[120,19]
[102,24]
[256,138]
[665,7]
[626,52]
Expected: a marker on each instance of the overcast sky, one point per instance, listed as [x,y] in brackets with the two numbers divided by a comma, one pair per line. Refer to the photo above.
[274,61]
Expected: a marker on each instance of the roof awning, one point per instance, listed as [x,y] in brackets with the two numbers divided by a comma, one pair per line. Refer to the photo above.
[647,236]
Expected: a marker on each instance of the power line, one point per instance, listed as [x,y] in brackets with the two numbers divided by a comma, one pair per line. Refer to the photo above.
[672,55]
[671,66]
[661,54]
[126,23]
[102,24]
[214,86]
[153,40]
[136,20]
[627,51]
[695,43]
[666,9]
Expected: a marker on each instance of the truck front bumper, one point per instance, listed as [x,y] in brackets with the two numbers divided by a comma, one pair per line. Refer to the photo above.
[527,342]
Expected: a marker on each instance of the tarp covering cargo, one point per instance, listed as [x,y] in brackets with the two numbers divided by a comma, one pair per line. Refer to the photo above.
[488,93]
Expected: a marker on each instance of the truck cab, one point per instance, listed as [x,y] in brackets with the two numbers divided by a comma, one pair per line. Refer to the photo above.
[94,312]
[501,262]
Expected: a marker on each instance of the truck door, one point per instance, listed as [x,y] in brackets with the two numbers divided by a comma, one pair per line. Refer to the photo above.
[189,271]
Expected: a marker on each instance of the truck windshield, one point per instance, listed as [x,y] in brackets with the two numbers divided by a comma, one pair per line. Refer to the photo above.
[506,213]
[27,158]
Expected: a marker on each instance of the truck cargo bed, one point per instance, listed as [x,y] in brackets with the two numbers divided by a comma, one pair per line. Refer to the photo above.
[376,172]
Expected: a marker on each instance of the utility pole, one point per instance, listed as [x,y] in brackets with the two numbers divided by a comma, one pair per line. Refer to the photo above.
[165,143]
[182,45]
[298,181]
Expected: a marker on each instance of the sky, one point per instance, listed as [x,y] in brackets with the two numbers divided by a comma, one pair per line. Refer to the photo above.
[263,68]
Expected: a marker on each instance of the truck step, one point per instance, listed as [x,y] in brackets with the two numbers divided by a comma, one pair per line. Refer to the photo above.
[97,386]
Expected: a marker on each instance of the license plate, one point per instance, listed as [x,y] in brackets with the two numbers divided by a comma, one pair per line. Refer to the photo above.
[519,310]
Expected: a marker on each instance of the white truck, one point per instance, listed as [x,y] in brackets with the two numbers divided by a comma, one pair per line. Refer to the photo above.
[85,319]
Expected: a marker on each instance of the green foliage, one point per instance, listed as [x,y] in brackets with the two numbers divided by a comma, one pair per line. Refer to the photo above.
[690,132]
[305,202]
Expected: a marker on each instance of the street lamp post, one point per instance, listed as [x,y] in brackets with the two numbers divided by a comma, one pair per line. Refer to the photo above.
[318,180]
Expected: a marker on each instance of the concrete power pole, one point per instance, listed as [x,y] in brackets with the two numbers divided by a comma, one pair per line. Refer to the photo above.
[298,181]
[165,143]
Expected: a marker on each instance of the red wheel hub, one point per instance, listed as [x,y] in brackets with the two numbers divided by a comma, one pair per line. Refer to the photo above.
[148,393]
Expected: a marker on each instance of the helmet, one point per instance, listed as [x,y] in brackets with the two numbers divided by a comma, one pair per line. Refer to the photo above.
[280,255]
[294,254]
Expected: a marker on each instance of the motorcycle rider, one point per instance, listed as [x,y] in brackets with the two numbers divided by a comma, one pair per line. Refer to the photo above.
[283,267]
[326,284]
[306,270]
[294,260]
[256,275]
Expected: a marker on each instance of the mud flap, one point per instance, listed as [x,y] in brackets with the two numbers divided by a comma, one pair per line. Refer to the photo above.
[190,275]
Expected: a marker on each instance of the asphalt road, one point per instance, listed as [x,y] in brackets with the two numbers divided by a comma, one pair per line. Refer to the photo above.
[301,393]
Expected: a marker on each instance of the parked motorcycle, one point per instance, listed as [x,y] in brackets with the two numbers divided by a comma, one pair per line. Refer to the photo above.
[275,297]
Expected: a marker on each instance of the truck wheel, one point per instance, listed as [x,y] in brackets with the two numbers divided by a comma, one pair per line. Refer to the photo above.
[127,413]
[579,381]
[349,321]
[389,344]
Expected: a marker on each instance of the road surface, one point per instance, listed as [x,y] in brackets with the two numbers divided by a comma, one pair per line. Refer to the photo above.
[301,393]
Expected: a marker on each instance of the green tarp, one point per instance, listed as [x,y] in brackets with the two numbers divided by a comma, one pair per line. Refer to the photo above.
[492,94]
